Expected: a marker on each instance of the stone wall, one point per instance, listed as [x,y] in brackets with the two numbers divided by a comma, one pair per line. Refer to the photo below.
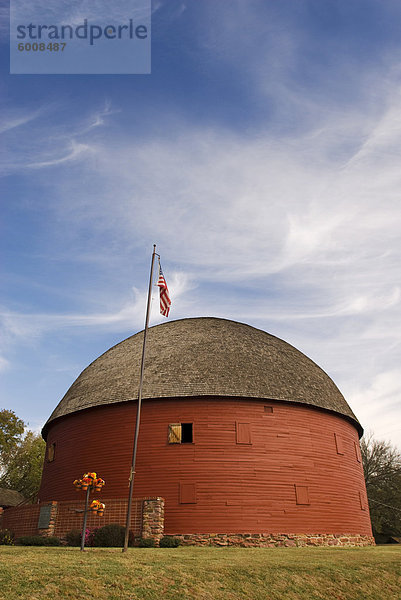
[268,540]
[153,518]
[147,517]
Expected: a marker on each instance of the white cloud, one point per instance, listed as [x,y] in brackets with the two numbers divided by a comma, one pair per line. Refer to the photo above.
[98,118]
[50,143]
[244,209]
[29,327]
[379,402]
[13,120]
[4,364]
[76,150]
[74,11]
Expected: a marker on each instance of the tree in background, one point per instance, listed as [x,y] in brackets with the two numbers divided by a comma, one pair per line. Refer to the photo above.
[382,468]
[21,455]
[11,431]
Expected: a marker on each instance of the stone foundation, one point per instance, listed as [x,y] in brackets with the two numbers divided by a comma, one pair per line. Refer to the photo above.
[270,540]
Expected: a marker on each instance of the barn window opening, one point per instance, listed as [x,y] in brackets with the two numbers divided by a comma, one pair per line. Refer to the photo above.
[186,433]
[180,433]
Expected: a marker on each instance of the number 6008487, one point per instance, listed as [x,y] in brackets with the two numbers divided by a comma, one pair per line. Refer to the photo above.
[42,47]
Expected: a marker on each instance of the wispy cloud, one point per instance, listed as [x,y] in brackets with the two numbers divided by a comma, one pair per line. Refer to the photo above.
[50,143]
[13,120]
[378,402]
[75,151]
[17,326]
[99,118]
[74,11]
[4,364]
[259,215]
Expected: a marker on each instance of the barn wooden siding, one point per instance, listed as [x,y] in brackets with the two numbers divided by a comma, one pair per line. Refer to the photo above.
[254,466]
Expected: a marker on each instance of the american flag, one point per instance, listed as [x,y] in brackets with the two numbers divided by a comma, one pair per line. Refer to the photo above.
[165,301]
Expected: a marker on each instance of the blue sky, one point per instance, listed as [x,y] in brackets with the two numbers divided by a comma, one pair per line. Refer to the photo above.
[261,156]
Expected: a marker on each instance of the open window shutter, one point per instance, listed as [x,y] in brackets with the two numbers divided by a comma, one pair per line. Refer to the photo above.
[174,433]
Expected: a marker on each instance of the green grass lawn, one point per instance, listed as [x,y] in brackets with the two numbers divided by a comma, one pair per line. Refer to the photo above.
[201,573]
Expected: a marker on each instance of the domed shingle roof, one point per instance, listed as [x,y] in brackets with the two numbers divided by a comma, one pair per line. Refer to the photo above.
[204,357]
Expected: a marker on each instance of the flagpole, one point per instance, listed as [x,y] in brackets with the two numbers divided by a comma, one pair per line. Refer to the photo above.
[138,410]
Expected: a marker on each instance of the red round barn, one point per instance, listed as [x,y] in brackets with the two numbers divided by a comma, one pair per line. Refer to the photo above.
[240,434]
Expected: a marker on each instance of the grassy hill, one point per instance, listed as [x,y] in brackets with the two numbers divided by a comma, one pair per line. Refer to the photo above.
[201,573]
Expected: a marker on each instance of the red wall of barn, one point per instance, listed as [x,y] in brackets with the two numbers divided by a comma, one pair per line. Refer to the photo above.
[297,454]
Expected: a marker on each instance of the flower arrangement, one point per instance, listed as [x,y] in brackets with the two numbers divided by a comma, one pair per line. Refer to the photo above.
[97,507]
[89,480]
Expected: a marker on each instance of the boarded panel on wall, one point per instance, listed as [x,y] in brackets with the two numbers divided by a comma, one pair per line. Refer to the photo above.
[50,452]
[243,433]
[302,494]
[339,443]
[357,452]
[44,517]
[187,493]
[362,500]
